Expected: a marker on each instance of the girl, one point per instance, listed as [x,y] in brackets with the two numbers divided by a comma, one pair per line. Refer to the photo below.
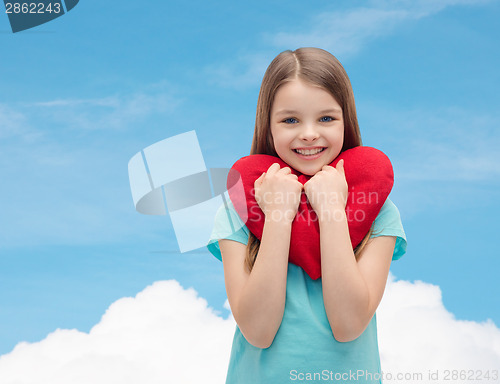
[289,327]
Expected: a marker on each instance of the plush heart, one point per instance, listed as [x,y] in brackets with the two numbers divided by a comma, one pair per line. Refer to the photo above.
[369,176]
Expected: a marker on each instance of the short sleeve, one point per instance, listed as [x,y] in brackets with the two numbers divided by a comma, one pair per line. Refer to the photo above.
[227,225]
[388,223]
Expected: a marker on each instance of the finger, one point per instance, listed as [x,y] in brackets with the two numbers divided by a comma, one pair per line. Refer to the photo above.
[340,166]
[260,179]
[285,170]
[275,167]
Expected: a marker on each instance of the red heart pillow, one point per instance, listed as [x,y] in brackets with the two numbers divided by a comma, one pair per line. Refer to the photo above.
[369,177]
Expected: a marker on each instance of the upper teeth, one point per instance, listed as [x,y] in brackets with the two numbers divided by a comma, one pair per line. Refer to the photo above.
[309,151]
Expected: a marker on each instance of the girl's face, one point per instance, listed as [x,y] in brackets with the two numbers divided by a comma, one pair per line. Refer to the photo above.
[307,126]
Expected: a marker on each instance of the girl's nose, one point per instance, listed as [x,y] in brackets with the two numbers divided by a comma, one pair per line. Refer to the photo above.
[308,133]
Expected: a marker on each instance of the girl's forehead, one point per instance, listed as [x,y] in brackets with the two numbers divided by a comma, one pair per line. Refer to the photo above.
[298,94]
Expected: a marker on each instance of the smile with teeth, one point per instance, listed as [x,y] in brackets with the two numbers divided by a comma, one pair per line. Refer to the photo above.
[309,152]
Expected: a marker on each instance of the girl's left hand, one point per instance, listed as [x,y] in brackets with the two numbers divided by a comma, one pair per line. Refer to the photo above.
[327,189]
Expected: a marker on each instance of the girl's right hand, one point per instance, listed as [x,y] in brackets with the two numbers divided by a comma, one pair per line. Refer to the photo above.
[277,192]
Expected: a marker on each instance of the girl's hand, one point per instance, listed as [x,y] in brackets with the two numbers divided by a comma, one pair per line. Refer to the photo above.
[327,190]
[277,192]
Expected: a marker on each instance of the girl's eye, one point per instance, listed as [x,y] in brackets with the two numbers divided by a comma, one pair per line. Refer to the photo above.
[326,119]
[290,120]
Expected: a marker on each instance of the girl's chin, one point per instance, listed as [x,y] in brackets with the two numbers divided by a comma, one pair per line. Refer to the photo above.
[309,171]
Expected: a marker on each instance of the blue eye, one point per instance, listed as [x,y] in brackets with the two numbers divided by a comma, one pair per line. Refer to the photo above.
[290,120]
[326,119]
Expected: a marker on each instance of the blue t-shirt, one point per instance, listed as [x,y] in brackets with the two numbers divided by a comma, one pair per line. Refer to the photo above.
[304,348]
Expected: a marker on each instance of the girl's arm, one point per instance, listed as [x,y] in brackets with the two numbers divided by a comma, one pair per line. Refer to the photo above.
[352,290]
[257,299]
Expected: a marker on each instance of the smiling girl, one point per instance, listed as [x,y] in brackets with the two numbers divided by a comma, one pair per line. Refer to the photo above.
[289,327]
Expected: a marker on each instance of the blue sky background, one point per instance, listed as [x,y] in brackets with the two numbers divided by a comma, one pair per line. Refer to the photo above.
[82,94]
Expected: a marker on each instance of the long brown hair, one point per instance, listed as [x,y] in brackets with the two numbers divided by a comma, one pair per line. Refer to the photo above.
[317,67]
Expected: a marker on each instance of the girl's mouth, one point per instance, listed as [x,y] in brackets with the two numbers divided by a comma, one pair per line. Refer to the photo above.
[309,154]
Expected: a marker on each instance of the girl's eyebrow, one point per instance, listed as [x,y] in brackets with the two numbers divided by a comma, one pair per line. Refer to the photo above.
[286,112]
[293,112]
[331,110]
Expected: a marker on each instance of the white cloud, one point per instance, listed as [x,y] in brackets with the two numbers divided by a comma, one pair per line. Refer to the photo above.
[245,71]
[343,33]
[110,101]
[114,112]
[14,123]
[164,334]
[168,334]
[418,334]
[421,8]
[346,32]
